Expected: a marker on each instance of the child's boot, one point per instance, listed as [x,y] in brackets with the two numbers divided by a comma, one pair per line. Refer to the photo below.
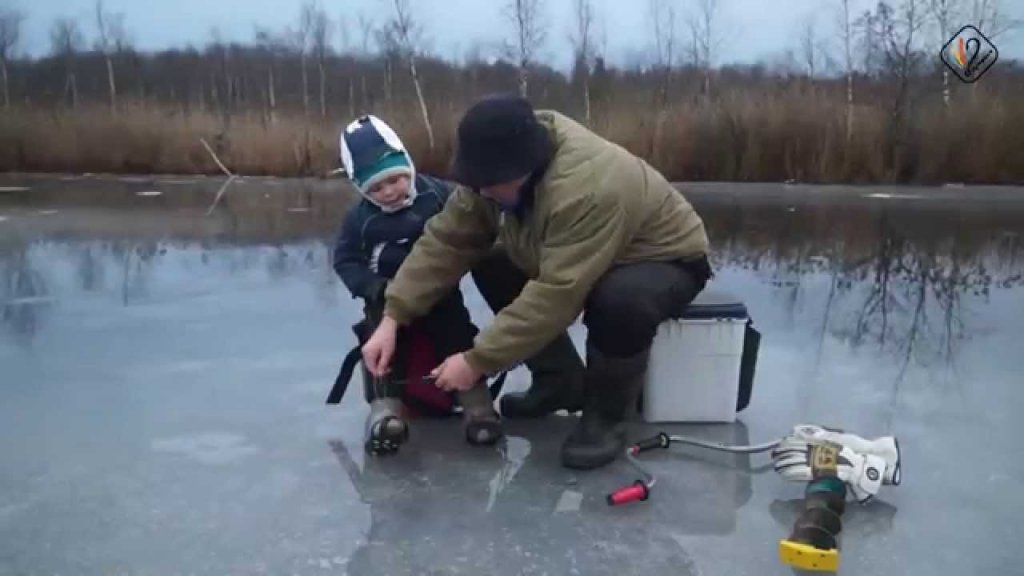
[386,430]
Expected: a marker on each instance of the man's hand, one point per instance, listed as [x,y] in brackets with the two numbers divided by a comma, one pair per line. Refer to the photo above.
[455,374]
[379,349]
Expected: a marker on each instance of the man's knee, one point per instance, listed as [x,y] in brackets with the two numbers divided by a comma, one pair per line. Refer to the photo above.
[620,323]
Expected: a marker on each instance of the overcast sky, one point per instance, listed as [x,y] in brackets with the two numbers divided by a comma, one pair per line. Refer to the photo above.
[750,30]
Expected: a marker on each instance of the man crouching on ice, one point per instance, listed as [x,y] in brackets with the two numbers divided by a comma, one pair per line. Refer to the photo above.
[593,228]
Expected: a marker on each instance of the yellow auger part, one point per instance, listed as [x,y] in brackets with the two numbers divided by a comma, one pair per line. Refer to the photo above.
[807,557]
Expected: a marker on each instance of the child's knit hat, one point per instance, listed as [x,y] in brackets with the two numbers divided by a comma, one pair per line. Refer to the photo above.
[371,152]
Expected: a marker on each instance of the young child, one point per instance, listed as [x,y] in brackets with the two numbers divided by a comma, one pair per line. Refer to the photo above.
[377,235]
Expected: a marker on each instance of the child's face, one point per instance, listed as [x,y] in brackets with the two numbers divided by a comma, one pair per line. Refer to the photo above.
[391,191]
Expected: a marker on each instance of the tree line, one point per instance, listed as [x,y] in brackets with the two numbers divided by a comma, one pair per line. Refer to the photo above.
[882,68]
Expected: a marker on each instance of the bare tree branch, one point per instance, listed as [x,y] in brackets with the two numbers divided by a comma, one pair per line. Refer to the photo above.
[809,45]
[111,39]
[530,33]
[65,37]
[991,19]
[66,40]
[405,30]
[945,13]
[895,30]
[10,32]
[366,27]
[663,18]
[273,45]
[302,38]
[320,37]
[344,36]
[846,34]
[703,26]
[582,41]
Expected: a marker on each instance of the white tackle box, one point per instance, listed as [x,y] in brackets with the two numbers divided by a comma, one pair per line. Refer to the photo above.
[702,362]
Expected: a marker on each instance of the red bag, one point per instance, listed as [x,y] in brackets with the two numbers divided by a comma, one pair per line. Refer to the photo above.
[423,399]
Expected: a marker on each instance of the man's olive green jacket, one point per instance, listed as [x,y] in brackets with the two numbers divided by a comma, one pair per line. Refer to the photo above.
[596,206]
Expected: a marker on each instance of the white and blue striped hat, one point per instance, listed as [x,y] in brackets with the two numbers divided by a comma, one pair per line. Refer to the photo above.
[371,152]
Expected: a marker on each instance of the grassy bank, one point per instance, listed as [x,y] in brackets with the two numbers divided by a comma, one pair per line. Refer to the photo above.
[794,133]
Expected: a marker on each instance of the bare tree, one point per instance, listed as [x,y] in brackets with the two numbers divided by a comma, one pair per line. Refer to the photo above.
[663,18]
[344,38]
[846,35]
[809,45]
[345,43]
[10,30]
[703,27]
[390,48]
[111,40]
[273,45]
[66,40]
[989,17]
[898,32]
[302,40]
[583,46]
[530,33]
[895,29]
[320,33]
[945,12]
[221,61]
[366,29]
[408,34]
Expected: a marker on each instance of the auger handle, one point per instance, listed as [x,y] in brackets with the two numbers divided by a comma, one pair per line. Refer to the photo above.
[637,491]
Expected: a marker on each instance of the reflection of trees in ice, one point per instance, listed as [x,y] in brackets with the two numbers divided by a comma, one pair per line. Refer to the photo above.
[1008,258]
[890,285]
[137,273]
[137,266]
[911,300]
[25,294]
[326,281]
[277,264]
[290,260]
[90,267]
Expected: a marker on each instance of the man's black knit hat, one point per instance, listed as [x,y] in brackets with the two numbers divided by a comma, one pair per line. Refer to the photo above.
[499,140]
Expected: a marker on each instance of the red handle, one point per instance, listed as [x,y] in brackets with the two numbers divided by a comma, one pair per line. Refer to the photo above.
[638,491]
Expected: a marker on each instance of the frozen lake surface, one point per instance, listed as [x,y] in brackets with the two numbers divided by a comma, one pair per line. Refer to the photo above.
[164,373]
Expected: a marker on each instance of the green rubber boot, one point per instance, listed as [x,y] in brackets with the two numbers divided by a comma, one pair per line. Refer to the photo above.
[611,387]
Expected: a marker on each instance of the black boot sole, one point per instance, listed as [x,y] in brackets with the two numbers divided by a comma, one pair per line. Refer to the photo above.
[382,443]
[494,433]
[590,462]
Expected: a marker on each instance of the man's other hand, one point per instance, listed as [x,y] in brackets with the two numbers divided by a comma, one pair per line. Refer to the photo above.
[455,374]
